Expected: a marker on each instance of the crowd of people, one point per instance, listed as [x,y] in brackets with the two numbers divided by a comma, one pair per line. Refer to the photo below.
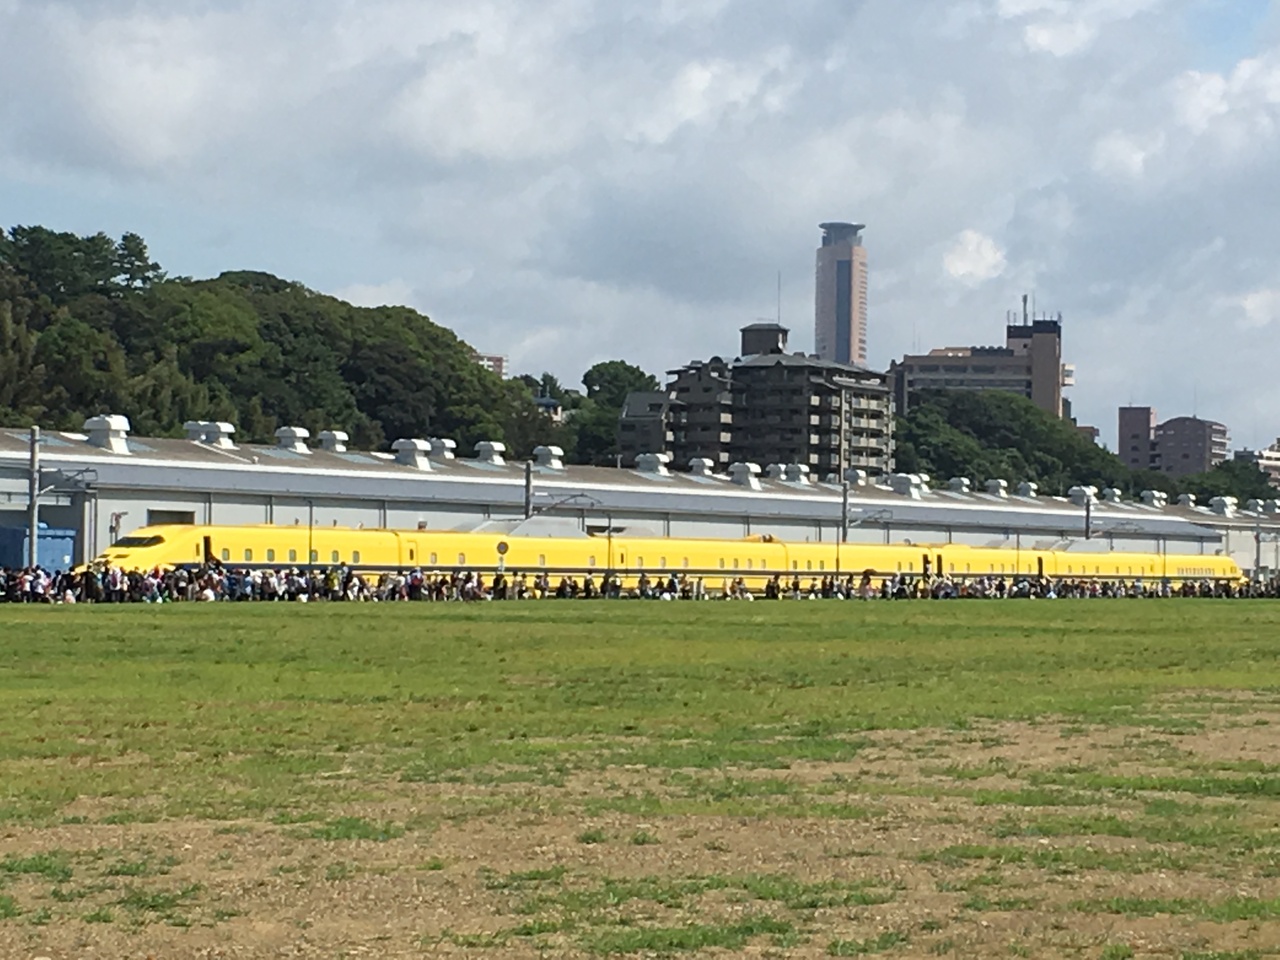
[214,583]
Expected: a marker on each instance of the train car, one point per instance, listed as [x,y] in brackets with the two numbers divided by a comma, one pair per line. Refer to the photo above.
[755,560]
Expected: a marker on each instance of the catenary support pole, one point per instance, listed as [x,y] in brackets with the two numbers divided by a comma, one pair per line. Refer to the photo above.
[528,489]
[33,501]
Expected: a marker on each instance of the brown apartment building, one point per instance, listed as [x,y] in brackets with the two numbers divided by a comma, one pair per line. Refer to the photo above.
[1178,447]
[767,407]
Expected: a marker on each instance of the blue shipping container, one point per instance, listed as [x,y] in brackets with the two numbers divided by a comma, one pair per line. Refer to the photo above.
[57,548]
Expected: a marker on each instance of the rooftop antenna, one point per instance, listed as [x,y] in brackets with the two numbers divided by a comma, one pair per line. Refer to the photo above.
[1024,309]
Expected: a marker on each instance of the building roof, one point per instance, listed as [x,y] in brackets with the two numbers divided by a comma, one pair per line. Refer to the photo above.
[163,464]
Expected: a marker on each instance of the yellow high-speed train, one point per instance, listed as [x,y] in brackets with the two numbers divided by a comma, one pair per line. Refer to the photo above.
[755,560]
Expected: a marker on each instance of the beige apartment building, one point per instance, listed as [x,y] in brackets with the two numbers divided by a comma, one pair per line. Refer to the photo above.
[766,407]
[840,297]
[1029,364]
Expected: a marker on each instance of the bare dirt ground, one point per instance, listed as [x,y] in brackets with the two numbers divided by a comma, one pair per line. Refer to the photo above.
[1045,840]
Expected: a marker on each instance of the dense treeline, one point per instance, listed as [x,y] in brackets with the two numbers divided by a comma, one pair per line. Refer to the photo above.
[1001,435]
[92,325]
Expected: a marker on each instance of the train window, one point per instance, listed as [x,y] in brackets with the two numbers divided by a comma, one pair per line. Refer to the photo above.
[1068,568]
[1002,568]
[750,564]
[822,564]
[736,561]
[434,560]
[1097,570]
[685,563]
[966,568]
[333,557]
[952,566]
[248,555]
[412,554]
[1131,571]
[899,566]
[271,556]
[355,556]
[639,563]
[911,567]
[722,563]
[315,555]
[795,565]
[462,559]
[226,554]
[662,562]
[591,561]
[808,564]
[764,564]
[293,556]
[542,559]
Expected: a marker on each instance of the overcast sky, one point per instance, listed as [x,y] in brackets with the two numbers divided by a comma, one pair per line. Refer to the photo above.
[577,180]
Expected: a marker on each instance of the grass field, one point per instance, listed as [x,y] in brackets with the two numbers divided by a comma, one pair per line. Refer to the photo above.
[1096,779]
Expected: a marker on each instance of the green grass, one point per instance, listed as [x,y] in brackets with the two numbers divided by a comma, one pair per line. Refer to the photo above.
[9,908]
[243,710]
[52,866]
[693,937]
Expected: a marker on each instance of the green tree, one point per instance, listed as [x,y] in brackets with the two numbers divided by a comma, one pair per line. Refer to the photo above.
[608,383]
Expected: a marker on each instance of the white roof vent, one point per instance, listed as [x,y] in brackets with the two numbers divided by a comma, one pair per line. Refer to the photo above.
[1111,495]
[907,485]
[796,473]
[655,463]
[745,475]
[1029,490]
[550,457]
[1155,498]
[1082,495]
[1271,506]
[196,430]
[491,451]
[334,441]
[293,438]
[109,432]
[442,448]
[959,484]
[774,471]
[1224,506]
[1187,500]
[413,453]
[998,488]
[856,477]
[701,467]
[1254,506]
[218,434]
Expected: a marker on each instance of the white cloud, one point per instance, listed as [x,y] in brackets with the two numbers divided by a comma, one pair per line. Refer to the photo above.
[1261,308]
[582,179]
[974,258]
[393,293]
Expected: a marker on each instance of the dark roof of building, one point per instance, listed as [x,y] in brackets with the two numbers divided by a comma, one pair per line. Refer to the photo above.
[803,360]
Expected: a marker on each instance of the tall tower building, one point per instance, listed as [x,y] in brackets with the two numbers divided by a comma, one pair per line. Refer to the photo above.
[840,326]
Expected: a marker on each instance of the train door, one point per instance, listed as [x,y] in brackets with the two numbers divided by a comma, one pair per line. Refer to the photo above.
[940,568]
[412,547]
[925,562]
[1040,567]
[208,549]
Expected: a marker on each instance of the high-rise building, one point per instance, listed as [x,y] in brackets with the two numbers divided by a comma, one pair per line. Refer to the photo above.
[840,298]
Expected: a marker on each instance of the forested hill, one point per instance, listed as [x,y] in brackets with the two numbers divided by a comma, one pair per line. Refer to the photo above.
[91,325]
[949,433]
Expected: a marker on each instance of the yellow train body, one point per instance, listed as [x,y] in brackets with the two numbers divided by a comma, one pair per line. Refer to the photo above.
[755,560]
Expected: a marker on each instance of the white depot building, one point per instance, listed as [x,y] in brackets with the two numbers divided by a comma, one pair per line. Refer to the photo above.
[103,483]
